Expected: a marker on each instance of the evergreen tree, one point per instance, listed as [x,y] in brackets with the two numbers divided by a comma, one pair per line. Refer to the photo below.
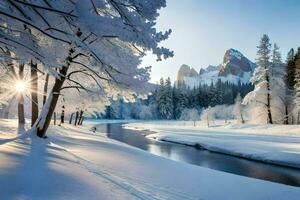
[276,56]
[180,101]
[277,86]
[290,70]
[289,79]
[168,99]
[261,78]
[161,99]
[297,82]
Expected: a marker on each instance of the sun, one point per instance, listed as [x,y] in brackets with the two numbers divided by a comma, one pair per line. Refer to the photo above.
[20,86]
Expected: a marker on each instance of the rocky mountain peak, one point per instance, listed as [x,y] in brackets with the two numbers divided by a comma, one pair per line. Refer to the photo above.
[185,71]
[235,63]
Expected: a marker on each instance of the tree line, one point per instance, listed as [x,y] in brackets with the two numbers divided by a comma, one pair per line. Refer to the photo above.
[170,102]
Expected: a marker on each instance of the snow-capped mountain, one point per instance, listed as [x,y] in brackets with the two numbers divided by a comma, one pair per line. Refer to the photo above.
[234,68]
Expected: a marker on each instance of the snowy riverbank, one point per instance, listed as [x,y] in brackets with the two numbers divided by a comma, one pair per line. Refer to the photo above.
[279,144]
[74,163]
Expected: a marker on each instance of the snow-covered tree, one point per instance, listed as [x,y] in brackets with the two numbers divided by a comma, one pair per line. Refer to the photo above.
[276,55]
[180,101]
[207,116]
[169,99]
[165,99]
[108,56]
[277,87]
[261,79]
[191,114]
[238,109]
[297,83]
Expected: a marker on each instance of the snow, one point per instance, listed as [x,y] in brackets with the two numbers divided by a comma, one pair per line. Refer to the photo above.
[74,163]
[213,77]
[236,53]
[278,144]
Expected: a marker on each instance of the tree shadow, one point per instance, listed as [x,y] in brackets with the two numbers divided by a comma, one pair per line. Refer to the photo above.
[32,168]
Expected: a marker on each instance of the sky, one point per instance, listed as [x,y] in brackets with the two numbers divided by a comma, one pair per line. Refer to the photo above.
[202,30]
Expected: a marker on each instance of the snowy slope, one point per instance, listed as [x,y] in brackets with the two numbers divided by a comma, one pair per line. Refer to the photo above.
[278,144]
[75,164]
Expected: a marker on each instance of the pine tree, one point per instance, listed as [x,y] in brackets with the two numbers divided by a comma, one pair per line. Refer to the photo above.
[290,70]
[297,82]
[179,100]
[276,56]
[261,78]
[161,99]
[168,99]
[277,86]
[289,79]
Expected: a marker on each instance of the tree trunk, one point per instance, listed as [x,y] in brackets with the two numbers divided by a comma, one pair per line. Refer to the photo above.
[71,118]
[298,117]
[43,125]
[54,118]
[207,118]
[34,93]
[49,107]
[21,115]
[80,117]
[62,116]
[45,89]
[76,118]
[81,121]
[286,117]
[269,119]
[242,119]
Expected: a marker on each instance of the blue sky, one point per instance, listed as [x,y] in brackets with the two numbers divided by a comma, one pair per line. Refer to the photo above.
[204,29]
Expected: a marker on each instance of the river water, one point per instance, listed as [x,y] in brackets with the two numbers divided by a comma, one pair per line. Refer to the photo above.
[203,158]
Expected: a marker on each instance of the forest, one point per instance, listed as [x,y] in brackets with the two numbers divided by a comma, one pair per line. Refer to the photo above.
[272,96]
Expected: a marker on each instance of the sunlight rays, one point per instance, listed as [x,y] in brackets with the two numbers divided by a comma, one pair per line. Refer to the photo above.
[21,86]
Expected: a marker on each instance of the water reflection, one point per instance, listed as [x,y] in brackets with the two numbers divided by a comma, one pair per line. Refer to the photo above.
[202,158]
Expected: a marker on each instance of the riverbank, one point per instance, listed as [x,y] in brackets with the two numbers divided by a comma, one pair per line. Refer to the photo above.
[276,144]
[75,163]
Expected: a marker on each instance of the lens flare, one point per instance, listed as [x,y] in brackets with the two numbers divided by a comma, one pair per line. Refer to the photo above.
[20,86]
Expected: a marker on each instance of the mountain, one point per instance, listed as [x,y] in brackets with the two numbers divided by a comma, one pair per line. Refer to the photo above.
[235,63]
[185,71]
[234,68]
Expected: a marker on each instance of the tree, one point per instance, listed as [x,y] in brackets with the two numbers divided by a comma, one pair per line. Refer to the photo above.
[276,55]
[289,80]
[277,86]
[107,56]
[169,99]
[180,101]
[190,115]
[161,99]
[297,82]
[21,113]
[261,79]
[238,109]
[34,92]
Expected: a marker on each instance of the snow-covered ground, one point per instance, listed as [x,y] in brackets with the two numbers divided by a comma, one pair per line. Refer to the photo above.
[74,163]
[279,144]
